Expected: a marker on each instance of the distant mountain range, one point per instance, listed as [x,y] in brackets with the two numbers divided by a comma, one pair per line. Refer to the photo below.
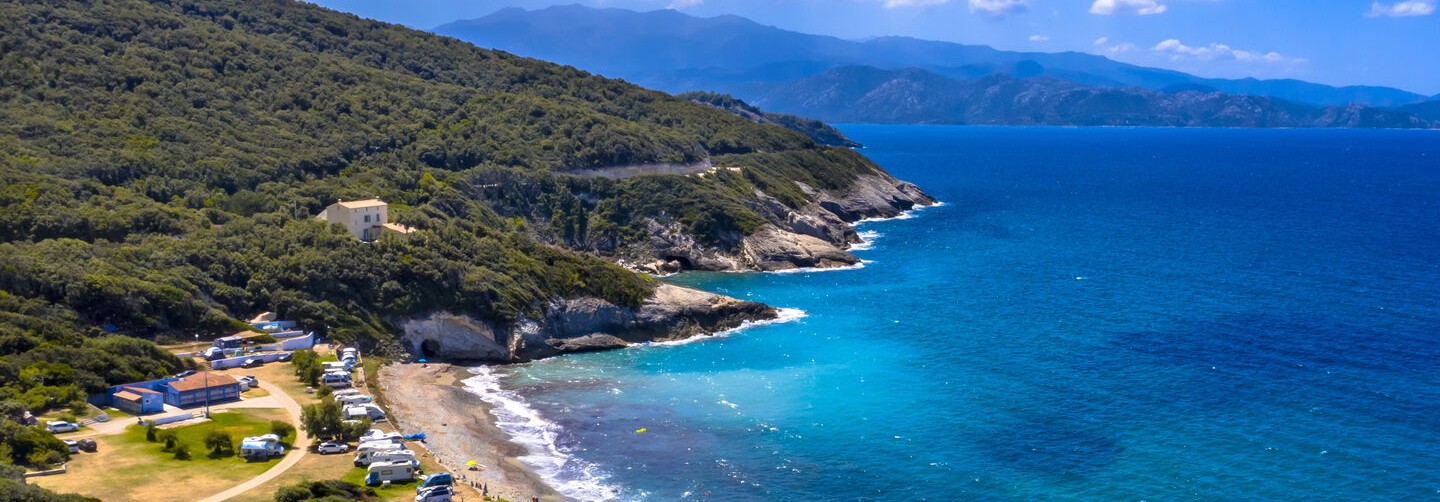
[905,80]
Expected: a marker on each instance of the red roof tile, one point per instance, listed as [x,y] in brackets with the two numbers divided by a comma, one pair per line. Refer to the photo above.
[198,381]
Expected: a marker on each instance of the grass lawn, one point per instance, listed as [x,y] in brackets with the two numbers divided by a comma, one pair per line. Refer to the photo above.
[279,374]
[127,467]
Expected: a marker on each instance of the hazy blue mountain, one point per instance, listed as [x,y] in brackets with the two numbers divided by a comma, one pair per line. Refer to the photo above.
[676,52]
[918,96]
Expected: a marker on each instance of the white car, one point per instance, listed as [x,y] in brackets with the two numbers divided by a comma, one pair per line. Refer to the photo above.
[58,426]
[333,447]
[73,444]
[440,493]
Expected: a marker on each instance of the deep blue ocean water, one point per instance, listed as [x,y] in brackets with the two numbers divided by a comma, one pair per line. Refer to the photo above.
[1094,314]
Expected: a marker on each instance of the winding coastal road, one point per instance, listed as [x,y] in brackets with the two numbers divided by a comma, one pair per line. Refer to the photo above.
[297,451]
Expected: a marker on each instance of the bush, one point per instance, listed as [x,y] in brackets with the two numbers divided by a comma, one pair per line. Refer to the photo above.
[169,438]
[150,433]
[281,428]
[328,489]
[182,451]
[293,493]
[324,391]
[261,339]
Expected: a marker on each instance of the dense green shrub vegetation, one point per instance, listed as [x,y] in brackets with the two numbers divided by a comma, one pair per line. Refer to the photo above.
[161,162]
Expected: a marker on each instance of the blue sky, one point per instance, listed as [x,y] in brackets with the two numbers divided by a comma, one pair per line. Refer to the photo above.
[1339,42]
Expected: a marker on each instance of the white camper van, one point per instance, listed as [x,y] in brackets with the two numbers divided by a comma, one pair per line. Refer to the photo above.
[336,379]
[377,446]
[261,447]
[352,399]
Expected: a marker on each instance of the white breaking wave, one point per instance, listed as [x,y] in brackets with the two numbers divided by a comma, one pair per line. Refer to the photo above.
[782,316]
[573,477]
[806,270]
[902,216]
[867,240]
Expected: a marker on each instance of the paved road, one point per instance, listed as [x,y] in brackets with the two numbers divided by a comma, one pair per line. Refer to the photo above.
[300,449]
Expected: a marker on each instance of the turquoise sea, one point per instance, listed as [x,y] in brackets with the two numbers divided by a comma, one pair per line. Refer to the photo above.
[1092,314]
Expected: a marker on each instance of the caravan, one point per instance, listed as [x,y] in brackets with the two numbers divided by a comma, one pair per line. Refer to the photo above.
[369,410]
[389,471]
[352,399]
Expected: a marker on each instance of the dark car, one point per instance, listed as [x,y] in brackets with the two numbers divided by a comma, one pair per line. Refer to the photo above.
[184,374]
[252,363]
[283,357]
[87,445]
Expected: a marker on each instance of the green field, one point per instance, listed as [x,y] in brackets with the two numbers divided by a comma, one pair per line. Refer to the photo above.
[127,467]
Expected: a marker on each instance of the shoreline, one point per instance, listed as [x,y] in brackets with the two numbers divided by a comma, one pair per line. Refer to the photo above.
[459,427]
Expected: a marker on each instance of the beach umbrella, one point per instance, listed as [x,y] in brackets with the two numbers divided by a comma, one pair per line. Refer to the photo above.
[470,463]
[424,361]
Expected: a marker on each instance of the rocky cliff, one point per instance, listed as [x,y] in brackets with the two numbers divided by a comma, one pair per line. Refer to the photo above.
[817,234]
[580,324]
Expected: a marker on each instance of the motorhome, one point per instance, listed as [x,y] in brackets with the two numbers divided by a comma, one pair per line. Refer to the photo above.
[374,456]
[261,447]
[390,437]
[389,471]
[337,366]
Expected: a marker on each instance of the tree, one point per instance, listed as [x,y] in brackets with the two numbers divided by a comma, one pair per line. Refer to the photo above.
[322,419]
[220,444]
[355,428]
[307,366]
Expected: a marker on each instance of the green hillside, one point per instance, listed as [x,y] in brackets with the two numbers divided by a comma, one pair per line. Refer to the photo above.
[161,162]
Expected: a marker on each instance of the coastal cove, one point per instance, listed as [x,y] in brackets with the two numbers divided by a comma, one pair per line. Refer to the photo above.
[1093,313]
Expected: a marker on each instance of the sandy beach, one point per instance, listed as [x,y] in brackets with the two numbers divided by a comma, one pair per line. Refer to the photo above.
[459,427]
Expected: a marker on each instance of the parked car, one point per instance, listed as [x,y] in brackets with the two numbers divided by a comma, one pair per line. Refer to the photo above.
[252,363]
[88,445]
[284,357]
[213,353]
[441,493]
[58,426]
[73,444]
[332,447]
[184,374]
[249,381]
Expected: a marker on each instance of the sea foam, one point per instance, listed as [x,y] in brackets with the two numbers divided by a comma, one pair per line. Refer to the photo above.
[572,477]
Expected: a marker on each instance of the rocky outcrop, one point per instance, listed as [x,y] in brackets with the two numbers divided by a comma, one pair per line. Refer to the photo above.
[814,235]
[581,324]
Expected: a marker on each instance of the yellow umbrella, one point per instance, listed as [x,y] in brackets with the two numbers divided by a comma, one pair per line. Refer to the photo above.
[470,463]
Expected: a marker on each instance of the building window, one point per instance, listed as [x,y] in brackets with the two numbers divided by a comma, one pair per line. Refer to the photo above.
[367,218]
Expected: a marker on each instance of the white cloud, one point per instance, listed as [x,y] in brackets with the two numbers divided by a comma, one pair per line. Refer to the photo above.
[913,3]
[1039,38]
[1101,41]
[997,8]
[680,4]
[1176,50]
[1137,7]
[1120,48]
[1406,8]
